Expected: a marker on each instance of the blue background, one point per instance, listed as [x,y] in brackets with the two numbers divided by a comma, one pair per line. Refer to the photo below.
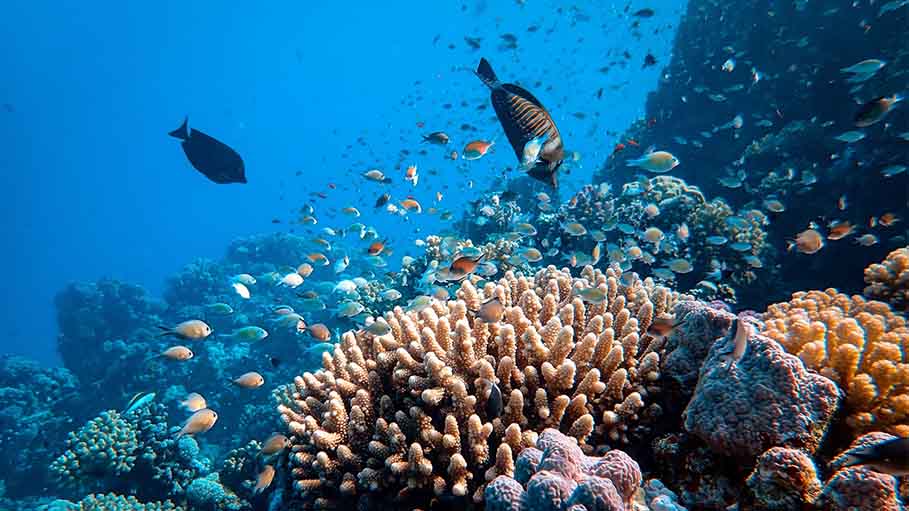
[96,188]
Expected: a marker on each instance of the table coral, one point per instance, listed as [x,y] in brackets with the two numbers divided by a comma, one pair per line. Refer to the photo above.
[889,280]
[400,412]
[861,345]
[784,479]
[767,398]
[558,475]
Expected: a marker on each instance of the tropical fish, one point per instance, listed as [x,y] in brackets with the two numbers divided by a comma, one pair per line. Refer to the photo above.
[291,280]
[491,311]
[193,402]
[213,158]
[377,176]
[274,444]
[199,422]
[244,278]
[494,402]
[319,332]
[241,290]
[524,118]
[593,295]
[808,241]
[893,170]
[865,67]
[305,270]
[378,328]
[850,137]
[249,333]
[219,309]
[888,456]
[875,110]
[656,162]
[532,148]
[411,175]
[140,400]
[250,380]
[437,137]
[341,264]
[476,149]
[194,329]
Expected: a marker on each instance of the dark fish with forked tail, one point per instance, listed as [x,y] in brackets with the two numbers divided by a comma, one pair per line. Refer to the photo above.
[213,158]
[525,120]
[888,457]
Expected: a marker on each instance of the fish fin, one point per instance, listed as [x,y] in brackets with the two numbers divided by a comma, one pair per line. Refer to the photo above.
[165,331]
[554,179]
[182,132]
[486,74]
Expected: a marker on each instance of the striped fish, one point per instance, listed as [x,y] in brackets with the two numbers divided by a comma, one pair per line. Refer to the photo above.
[524,119]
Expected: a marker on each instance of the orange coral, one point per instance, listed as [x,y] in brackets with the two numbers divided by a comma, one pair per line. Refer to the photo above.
[402,411]
[861,345]
[889,280]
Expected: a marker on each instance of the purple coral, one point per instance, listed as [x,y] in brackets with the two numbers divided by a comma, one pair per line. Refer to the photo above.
[562,477]
[859,488]
[766,399]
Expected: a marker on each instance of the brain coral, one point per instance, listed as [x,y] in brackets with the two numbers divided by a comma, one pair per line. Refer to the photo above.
[765,399]
[861,345]
[889,280]
[414,411]
[784,479]
[561,476]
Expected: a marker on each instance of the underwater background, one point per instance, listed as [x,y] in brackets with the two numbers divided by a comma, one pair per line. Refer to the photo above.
[348,280]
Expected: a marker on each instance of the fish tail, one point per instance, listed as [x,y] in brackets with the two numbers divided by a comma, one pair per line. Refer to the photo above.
[487,75]
[182,132]
[165,331]
[898,97]
[850,460]
[634,163]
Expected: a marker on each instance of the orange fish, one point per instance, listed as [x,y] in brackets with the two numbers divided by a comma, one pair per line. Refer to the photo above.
[808,241]
[838,231]
[632,142]
[180,353]
[596,253]
[275,443]
[320,332]
[411,205]
[464,265]
[250,380]
[888,219]
[411,175]
[199,422]
[376,248]
[318,258]
[618,148]
[476,149]
[304,270]
[264,479]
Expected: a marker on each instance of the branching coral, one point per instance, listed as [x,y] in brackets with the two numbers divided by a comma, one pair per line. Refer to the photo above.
[861,345]
[112,502]
[556,475]
[889,280]
[417,410]
[104,447]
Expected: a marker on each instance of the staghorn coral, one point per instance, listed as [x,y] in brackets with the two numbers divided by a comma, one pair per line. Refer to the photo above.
[784,479]
[861,345]
[105,447]
[402,411]
[767,398]
[889,280]
[558,475]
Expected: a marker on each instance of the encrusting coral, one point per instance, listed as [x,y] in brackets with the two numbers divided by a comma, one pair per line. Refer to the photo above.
[859,344]
[766,398]
[889,280]
[445,401]
[556,475]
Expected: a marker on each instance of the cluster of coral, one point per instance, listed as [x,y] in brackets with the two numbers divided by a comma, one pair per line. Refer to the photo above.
[449,392]
[889,280]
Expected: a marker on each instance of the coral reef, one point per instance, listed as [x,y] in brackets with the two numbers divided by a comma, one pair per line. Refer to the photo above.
[700,325]
[889,280]
[445,392]
[859,488]
[104,448]
[859,344]
[784,479]
[111,502]
[209,493]
[36,404]
[557,475]
[765,399]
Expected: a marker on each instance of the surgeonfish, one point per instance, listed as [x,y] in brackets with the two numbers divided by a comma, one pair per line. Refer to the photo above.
[213,158]
[524,118]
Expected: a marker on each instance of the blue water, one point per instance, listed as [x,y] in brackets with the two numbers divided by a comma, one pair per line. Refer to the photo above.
[96,188]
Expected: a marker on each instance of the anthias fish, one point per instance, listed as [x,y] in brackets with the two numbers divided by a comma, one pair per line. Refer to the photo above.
[524,118]
[213,158]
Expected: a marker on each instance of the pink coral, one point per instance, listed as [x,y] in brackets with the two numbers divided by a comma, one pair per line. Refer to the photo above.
[562,477]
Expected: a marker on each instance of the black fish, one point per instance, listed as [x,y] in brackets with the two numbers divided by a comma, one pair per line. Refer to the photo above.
[494,404]
[649,60]
[644,13]
[889,457]
[213,158]
[524,118]
[383,200]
